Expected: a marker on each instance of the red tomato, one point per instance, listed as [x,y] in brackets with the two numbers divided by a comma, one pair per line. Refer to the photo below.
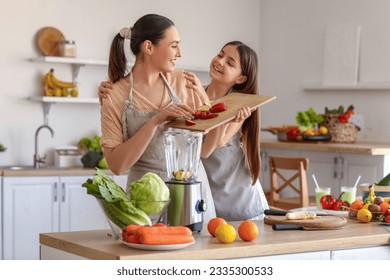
[387,213]
[124,235]
[387,220]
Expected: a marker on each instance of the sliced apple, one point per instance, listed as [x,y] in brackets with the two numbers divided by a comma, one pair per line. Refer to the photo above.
[204,108]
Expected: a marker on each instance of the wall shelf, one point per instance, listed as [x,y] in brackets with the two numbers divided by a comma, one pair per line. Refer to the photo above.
[76,64]
[47,101]
[321,87]
[53,100]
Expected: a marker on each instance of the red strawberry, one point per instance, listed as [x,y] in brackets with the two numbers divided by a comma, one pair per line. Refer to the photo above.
[219,107]
[209,116]
[197,114]
[189,122]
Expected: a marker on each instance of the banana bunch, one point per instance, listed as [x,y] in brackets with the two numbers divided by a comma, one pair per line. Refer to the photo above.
[55,87]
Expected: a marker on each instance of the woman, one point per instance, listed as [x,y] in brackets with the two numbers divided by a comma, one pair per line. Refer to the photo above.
[133,117]
[231,152]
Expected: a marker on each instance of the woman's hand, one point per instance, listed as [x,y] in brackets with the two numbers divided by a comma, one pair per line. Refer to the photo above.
[242,114]
[173,112]
[195,84]
[105,89]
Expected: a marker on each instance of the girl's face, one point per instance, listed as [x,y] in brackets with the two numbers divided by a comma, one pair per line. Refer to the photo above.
[167,50]
[225,67]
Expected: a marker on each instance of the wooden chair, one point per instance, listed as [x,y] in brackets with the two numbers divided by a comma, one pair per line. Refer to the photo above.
[280,169]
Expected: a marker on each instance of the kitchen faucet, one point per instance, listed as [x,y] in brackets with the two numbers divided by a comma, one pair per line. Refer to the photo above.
[37,158]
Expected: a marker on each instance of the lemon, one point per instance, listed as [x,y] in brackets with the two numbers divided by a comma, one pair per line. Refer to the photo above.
[323,130]
[364,216]
[225,233]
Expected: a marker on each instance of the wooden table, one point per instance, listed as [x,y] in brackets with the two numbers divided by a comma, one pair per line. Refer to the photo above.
[100,245]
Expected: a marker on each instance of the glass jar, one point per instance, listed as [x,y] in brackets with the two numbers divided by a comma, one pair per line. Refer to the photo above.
[68,48]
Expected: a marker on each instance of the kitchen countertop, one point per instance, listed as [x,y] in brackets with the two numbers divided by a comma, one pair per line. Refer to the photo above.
[360,147]
[51,171]
[99,244]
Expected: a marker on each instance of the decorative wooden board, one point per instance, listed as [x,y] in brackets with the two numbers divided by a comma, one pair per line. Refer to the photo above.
[234,102]
[49,40]
[322,222]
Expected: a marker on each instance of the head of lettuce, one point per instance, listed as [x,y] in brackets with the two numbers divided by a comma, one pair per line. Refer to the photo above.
[149,193]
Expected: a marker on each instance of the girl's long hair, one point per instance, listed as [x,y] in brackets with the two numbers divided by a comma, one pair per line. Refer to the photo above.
[251,127]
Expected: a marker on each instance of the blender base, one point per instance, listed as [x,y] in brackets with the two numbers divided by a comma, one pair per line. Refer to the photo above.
[195,227]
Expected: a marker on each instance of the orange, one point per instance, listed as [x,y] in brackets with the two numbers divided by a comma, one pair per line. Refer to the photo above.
[364,215]
[225,233]
[384,206]
[248,231]
[357,205]
[213,223]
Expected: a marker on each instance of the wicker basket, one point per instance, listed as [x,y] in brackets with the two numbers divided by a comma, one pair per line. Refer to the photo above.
[341,132]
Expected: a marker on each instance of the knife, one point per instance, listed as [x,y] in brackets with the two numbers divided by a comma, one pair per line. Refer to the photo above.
[284,212]
[287,227]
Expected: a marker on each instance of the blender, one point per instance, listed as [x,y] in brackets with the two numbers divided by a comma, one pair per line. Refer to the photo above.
[182,156]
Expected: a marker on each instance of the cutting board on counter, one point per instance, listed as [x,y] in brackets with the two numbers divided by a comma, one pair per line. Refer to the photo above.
[320,222]
[234,102]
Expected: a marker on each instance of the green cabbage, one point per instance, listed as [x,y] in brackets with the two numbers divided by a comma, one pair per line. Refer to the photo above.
[147,190]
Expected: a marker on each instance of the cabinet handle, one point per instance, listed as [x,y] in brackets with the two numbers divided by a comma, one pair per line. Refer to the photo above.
[264,162]
[63,192]
[55,192]
[335,165]
[341,167]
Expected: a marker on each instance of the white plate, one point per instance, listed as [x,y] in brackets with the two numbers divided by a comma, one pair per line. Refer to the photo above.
[336,213]
[157,247]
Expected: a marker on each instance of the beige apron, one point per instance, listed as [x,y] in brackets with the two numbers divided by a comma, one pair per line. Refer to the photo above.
[153,158]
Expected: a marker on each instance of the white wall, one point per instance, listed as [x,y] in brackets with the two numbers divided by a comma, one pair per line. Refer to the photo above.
[204,27]
[291,54]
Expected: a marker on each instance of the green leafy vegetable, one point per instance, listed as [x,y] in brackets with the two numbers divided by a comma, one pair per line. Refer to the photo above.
[149,188]
[308,119]
[116,204]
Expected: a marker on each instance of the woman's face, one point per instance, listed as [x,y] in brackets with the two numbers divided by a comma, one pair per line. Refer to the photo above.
[225,67]
[167,50]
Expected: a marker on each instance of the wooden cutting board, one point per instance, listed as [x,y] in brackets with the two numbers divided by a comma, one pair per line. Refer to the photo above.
[320,222]
[234,102]
[49,40]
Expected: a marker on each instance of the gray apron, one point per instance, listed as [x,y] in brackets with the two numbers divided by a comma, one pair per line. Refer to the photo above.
[153,158]
[235,198]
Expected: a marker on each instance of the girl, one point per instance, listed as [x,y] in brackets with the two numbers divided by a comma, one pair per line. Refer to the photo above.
[231,152]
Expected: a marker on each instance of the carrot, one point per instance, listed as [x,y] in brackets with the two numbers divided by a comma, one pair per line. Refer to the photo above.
[165,239]
[130,229]
[169,230]
[133,239]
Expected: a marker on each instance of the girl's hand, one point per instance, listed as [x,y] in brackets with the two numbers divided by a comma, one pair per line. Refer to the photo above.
[174,111]
[105,89]
[195,84]
[242,114]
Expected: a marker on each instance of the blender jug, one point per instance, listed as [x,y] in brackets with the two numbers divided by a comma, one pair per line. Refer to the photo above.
[182,156]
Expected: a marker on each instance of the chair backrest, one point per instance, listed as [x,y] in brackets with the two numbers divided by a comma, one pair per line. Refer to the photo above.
[281,169]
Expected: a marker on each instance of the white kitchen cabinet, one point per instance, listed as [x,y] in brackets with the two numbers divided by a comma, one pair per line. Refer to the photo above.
[78,210]
[332,169]
[1,217]
[33,205]
[339,169]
